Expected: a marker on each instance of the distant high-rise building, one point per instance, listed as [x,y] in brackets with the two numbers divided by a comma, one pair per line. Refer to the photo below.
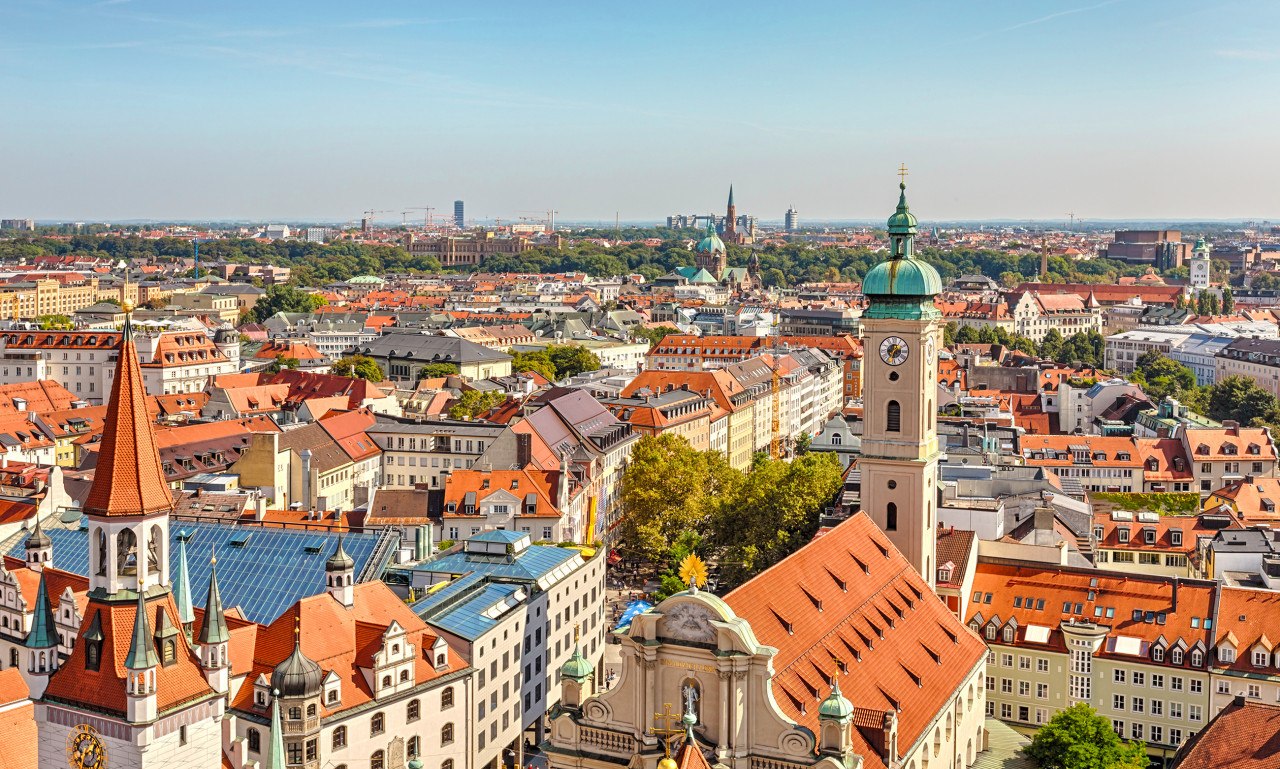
[1163,249]
[792,219]
[458,217]
[17,224]
[316,234]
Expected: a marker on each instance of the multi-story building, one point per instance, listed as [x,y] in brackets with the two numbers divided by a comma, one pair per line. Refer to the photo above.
[1221,456]
[425,453]
[563,589]
[32,296]
[791,220]
[672,411]
[1035,313]
[1163,249]
[1255,359]
[1147,543]
[27,225]
[1134,647]
[466,250]
[459,215]
[1099,463]
[800,322]
[403,355]
[85,362]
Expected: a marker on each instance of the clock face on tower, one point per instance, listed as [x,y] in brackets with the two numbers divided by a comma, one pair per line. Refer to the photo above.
[85,750]
[894,351]
[928,349]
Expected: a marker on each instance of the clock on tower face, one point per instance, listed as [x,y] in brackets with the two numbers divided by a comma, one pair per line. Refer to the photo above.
[894,350]
[928,349]
[85,750]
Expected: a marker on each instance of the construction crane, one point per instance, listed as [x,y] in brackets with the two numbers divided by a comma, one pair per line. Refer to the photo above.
[366,223]
[1072,227]
[548,220]
[404,215]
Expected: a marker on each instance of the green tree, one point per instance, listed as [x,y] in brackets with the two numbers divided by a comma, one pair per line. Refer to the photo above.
[1160,376]
[1009,279]
[437,370]
[776,511]
[1051,345]
[803,440]
[774,278]
[358,366]
[1265,282]
[1180,301]
[1214,307]
[967,335]
[281,363]
[988,335]
[654,335]
[1228,301]
[284,299]
[48,322]
[1079,738]
[473,402]
[949,333]
[669,488]
[555,362]
[1240,398]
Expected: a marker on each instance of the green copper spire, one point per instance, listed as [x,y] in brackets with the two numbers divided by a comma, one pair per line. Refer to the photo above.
[275,751]
[835,705]
[142,650]
[577,667]
[730,194]
[214,628]
[1201,246]
[902,286]
[43,635]
[182,588]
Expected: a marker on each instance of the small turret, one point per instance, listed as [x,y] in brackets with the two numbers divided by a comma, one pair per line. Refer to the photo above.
[835,722]
[141,664]
[575,677]
[42,641]
[213,637]
[339,576]
[39,548]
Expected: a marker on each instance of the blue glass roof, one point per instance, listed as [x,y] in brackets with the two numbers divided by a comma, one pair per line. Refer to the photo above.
[499,535]
[461,607]
[531,563]
[261,570]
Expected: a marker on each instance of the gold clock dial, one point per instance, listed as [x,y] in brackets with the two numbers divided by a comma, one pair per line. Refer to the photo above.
[85,749]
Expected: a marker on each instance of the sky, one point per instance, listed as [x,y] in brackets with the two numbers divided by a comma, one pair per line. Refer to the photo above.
[173,110]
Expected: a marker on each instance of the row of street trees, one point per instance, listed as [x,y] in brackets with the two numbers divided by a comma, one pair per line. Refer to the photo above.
[1089,348]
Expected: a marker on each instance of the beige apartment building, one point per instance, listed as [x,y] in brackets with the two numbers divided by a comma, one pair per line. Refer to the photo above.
[46,296]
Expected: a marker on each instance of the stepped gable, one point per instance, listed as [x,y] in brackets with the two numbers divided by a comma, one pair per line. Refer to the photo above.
[851,596]
[128,479]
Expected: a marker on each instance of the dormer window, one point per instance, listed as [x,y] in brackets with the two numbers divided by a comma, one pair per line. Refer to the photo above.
[1178,464]
[1008,635]
[1152,465]
[1123,533]
[944,575]
[1197,658]
[991,632]
[1176,656]
[1157,654]
[1175,537]
[1260,658]
[1226,654]
[1149,536]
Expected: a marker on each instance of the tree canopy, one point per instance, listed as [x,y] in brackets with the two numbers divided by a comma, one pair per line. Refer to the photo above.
[473,402]
[555,362]
[358,366]
[1160,376]
[284,299]
[1079,738]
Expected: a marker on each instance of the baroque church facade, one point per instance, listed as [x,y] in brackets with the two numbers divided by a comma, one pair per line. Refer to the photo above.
[841,655]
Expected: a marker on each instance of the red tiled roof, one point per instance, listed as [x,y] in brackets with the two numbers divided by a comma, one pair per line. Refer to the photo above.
[1242,736]
[885,624]
[17,723]
[178,683]
[128,479]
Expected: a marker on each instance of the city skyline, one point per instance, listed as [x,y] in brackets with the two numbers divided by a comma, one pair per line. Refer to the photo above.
[1114,110]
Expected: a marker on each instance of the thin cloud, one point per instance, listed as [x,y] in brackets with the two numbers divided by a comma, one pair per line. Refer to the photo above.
[1247,55]
[1043,19]
[392,23]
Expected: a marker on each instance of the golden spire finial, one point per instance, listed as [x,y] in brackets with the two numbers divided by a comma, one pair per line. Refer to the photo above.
[575,632]
[297,625]
[902,173]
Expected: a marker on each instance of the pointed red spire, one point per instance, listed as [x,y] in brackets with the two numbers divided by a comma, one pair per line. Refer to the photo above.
[128,479]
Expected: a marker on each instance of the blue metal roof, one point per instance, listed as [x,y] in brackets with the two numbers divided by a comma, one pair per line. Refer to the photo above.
[461,607]
[263,575]
[531,563]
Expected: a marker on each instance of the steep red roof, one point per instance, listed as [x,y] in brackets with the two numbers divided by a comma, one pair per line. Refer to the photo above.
[128,479]
[1242,736]
[878,617]
[17,723]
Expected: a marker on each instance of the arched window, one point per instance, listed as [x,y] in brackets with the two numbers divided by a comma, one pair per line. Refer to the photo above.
[1008,635]
[377,724]
[413,710]
[1197,659]
[893,417]
[891,517]
[376,761]
[102,553]
[446,698]
[170,653]
[440,660]
[836,439]
[395,648]
[404,675]
[91,658]
[255,741]
[386,680]
[446,734]
[1176,656]
[446,764]
[311,711]
[340,737]
[155,545]
[413,748]
[126,553]
[991,632]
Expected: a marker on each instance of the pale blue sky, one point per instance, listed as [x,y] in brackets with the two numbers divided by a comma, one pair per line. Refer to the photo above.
[292,110]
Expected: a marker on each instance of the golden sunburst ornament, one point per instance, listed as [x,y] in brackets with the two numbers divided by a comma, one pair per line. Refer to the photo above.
[693,572]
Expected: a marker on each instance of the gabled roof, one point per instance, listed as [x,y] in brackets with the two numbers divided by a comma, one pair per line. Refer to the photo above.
[1241,736]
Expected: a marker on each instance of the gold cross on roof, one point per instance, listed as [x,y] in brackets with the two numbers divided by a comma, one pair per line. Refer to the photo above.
[902,172]
[665,732]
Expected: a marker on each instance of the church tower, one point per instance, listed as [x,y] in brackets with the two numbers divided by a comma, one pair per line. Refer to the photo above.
[1199,267]
[731,220]
[131,693]
[901,335]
